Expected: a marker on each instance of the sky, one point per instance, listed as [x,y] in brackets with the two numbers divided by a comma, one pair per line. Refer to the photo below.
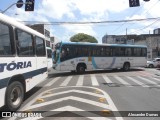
[51,11]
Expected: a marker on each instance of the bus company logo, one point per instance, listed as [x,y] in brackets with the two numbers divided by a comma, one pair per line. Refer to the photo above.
[13,65]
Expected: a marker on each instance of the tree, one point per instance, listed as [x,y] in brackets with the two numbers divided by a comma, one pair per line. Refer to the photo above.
[81,37]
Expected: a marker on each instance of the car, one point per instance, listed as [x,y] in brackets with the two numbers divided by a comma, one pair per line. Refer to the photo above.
[153,63]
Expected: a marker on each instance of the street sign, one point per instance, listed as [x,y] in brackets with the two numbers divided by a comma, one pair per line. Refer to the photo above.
[19,3]
[134,3]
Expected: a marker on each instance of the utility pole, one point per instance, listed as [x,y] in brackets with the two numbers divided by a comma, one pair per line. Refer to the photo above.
[8,8]
[157,47]
[126,36]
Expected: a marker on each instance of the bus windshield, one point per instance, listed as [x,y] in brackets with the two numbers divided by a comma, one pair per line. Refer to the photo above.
[56,53]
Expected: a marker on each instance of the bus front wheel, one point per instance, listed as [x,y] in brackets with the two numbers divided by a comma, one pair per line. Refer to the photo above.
[126,66]
[14,96]
[80,69]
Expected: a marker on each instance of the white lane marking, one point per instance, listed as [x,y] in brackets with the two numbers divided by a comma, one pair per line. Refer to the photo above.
[94,80]
[106,79]
[107,97]
[149,81]
[80,80]
[52,82]
[136,81]
[70,98]
[74,109]
[156,79]
[74,90]
[66,81]
[122,81]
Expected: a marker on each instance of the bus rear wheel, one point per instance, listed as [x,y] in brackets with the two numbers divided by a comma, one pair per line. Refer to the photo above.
[126,66]
[14,96]
[80,69]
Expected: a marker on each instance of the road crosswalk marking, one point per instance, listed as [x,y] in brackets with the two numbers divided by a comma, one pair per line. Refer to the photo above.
[145,79]
[122,81]
[66,81]
[125,80]
[94,80]
[107,80]
[136,81]
[80,80]
[52,82]
[156,79]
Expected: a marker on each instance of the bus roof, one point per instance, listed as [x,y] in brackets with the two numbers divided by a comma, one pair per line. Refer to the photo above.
[13,22]
[102,44]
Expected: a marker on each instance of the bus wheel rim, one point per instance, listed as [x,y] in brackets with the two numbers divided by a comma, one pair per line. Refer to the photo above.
[16,95]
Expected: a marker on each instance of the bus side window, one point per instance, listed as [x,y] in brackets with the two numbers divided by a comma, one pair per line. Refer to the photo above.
[102,51]
[5,40]
[25,46]
[63,53]
[128,52]
[49,53]
[40,47]
[144,52]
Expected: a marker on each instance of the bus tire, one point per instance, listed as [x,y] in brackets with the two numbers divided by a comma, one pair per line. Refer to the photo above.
[14,96]
[126,66]
[80,68]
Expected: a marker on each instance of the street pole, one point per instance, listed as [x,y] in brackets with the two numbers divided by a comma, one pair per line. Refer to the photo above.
[15,4]
[8,8]
[157,47]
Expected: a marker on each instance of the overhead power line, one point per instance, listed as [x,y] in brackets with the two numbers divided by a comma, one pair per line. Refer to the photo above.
[145,12]
[146,26]
[90,22]
[120,26]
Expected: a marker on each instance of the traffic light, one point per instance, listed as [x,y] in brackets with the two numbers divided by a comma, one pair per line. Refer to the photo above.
[29,5]
[134,3]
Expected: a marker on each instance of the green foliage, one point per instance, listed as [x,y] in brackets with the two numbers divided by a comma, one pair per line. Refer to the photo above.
[81,37]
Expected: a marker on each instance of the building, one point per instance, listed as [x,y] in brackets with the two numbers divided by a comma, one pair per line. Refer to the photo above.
[156,31]
[45,30]
[54,41]
[152,41]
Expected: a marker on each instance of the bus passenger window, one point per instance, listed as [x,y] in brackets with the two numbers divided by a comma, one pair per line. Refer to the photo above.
[40,47]
[63,53]
[5,44]
[25,40]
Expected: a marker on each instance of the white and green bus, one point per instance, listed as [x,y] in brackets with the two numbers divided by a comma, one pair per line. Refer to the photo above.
[23,61]
[78,56]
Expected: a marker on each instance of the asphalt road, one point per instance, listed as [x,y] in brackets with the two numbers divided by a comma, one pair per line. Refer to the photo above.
[98,95]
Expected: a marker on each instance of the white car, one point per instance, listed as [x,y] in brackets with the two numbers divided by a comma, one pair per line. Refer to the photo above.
[154,63]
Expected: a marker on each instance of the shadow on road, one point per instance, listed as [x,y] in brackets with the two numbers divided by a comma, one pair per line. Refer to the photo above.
[61,73]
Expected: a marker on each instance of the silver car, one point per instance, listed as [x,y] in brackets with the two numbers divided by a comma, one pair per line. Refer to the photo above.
[153,63]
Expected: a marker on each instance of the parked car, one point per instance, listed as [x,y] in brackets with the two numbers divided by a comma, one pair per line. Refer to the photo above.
[153,63]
